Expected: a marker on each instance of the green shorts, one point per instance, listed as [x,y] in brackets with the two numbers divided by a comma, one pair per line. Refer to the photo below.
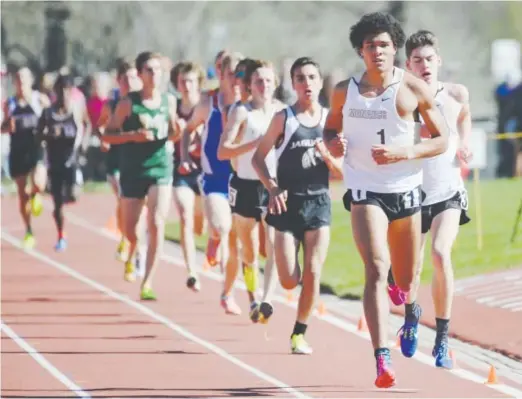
[138,187]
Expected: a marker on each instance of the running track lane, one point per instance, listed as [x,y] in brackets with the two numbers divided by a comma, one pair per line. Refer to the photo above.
[112,346]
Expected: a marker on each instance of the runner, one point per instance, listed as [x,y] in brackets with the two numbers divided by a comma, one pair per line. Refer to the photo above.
[446,202]
[187,78]
[128,81]
[144,122]
[299,206]
[382,170]
[232,267]
[21,113]
[62,127]
[214,180]
[246,125]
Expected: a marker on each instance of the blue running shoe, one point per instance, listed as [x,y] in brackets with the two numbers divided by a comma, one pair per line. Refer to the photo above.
[409,334]
[61,245]
[441,354]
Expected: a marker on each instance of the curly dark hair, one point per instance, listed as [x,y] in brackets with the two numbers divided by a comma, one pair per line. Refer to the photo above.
[373,24]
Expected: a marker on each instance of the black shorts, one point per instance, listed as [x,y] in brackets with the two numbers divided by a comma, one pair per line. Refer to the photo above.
[395,205]
[190,180]
[303,213]
[458,201]
[22,162]
[63,183]
[247,198]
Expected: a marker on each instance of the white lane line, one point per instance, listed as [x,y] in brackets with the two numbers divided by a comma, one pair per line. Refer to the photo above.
[156,316]
[42,361]
[340,323]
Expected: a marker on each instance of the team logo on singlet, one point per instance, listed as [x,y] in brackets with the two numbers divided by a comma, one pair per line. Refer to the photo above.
[310,158]
[367,113]
[158,123]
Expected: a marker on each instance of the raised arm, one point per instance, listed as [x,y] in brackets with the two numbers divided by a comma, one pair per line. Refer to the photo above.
[235,126]
[332,133]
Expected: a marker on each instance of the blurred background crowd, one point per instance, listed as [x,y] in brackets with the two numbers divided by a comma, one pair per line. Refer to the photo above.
[86,39]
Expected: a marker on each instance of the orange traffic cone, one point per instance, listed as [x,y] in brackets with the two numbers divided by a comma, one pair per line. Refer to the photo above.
[289,296]
[362,326]
[112,225]
[492,376]
[321,309]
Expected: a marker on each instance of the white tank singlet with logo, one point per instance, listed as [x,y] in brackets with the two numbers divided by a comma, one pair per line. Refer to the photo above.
[256,126]
[373,121]
[442,178]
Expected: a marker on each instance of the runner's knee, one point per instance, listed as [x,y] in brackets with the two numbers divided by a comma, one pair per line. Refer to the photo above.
[377,271]
[441,255]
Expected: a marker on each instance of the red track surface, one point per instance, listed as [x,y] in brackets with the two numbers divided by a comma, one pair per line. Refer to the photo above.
[111,345]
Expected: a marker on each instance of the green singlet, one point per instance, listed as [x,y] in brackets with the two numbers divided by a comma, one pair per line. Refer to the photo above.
[143,165]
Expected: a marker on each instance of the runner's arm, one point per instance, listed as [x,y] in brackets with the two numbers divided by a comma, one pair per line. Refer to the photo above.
[113,132]
[235,126]
[6,122]
[274,133]
[199,116]
[42,129]
[332,133]
[87,128]
[461,94]
[335,165]
[174,126]
[433,119]
[103,120]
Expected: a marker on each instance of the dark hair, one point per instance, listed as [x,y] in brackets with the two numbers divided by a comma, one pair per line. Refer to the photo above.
[143,57]
[123,67]
[420,39]
[301,62]
[186,67]
[63,82]
[245,63]
[220,54]
[374,24]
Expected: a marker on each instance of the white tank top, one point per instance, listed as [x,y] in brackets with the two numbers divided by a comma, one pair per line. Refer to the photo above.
[442,178]
[372,121]
[256,126]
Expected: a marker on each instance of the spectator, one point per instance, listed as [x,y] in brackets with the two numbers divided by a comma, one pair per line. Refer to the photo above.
[507,98]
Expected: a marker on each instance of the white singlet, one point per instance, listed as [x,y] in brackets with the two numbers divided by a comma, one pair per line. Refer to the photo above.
[372,121]
[442,178]
[256,125]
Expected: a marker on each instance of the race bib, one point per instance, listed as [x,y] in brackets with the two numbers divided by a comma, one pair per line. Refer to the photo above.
[232,195]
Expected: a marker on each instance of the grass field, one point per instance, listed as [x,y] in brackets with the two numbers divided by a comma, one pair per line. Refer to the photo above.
[500,199]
